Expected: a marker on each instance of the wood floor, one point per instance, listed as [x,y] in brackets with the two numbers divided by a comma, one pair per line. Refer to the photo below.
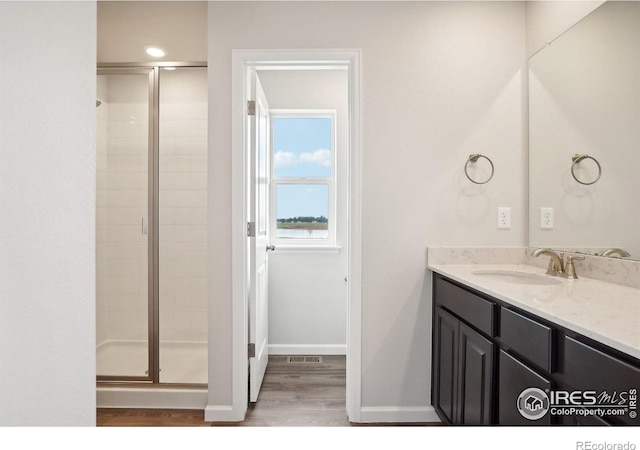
[292,394]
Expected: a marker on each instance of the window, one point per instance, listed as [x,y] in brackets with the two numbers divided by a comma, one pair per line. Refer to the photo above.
[303,179]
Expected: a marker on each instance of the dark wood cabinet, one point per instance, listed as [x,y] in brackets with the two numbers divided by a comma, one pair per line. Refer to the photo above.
[445,358]
[487,353]
[475,375]
[529,339]
[462,378]
[613,380]
[477,311]
[514,378]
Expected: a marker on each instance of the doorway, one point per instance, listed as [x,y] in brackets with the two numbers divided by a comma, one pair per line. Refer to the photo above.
[246,63]
[308,210]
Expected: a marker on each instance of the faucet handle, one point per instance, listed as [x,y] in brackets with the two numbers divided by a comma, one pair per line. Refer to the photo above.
[570,269]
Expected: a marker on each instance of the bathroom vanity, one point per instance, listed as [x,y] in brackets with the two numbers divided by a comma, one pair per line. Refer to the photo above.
[499,331]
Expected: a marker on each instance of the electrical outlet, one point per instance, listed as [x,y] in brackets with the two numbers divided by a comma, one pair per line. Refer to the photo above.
[546,218]
[504,217]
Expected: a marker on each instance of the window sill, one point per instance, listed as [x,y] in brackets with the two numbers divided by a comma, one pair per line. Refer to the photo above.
[308,249]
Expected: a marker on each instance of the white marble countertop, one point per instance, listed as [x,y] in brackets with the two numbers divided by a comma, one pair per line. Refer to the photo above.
[605,312]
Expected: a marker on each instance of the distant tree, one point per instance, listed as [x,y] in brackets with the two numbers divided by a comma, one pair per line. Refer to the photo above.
[304,219]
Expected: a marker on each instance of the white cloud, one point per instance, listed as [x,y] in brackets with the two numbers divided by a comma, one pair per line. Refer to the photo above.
[282,159]
[319,157]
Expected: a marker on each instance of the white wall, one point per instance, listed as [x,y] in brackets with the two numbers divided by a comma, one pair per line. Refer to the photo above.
[440,80]
[307,290]
[47,211]
[125,27]
[546,20]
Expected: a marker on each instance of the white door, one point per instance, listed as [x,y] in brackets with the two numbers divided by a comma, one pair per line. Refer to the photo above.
[258,236]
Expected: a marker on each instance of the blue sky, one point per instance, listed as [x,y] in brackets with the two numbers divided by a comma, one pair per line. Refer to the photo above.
[302,149]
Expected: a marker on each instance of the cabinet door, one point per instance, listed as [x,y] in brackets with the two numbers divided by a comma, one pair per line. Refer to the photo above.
[475,377]
[514,378]
[590,369]
[445,364]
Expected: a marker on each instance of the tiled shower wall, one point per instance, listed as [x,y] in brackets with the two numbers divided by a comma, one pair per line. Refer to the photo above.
[183,205]
[122,164]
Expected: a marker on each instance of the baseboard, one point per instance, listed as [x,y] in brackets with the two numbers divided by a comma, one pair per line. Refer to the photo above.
[224,413]
[160,398]
[393,414]
[307,349]
[375,414]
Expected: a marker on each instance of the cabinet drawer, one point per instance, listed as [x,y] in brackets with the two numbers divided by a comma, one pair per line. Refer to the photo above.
[530,339]
[588,368]
[473,309]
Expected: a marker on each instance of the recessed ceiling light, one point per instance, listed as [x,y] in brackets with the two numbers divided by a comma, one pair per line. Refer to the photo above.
[156,52]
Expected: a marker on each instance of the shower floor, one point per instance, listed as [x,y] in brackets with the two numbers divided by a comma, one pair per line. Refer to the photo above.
[180,362]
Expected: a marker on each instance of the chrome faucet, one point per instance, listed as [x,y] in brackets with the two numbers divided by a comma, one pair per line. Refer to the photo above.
[615,253]
[556,263]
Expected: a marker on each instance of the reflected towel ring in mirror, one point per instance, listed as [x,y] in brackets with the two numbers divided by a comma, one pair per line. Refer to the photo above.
[577,159]
[474,158]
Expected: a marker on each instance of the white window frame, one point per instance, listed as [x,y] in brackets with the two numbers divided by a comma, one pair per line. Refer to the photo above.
[302,244]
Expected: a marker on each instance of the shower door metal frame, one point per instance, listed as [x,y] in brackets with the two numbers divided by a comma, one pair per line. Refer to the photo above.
[153,70]
[152,211]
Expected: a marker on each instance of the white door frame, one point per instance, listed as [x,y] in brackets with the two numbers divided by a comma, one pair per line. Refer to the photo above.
[242,60]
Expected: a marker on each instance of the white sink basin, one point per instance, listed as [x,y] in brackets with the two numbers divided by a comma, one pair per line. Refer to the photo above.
[513,276]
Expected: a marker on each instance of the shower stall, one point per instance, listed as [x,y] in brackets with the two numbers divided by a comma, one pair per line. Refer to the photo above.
[151,222]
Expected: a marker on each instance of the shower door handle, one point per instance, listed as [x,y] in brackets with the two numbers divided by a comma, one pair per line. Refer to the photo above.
[145,225]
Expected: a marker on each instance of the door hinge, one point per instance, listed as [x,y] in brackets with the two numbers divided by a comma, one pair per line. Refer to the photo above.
[251,229]
[251,108]
[252,350]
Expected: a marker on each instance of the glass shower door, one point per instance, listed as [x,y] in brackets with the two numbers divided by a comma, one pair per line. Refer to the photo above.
[123,236]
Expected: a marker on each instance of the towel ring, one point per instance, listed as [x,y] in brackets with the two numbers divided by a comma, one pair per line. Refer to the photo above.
[578,158]
[474,158]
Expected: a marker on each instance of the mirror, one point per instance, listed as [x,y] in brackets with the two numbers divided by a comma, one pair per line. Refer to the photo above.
[584,99]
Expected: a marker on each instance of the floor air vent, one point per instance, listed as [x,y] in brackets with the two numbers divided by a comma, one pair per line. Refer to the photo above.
[304,359]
